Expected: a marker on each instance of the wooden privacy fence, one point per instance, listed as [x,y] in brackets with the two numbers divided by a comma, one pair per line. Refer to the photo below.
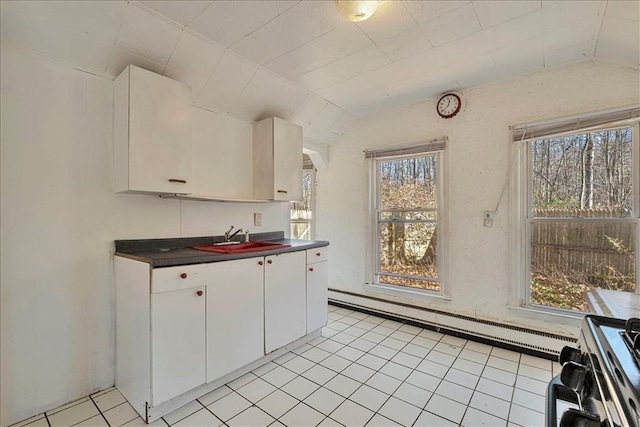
[587,247]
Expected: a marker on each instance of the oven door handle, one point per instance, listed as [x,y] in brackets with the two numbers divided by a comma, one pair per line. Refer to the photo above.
[557,391]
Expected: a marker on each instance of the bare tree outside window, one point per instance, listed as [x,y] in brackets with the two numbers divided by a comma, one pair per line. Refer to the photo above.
[407,209]
[302,211]
[582,231]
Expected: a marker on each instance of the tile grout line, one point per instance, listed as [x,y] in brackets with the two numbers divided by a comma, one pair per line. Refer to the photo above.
[207,408]
[467,405]
[376,412]
[100,410]
[485,364]
[88,400]
[70,405]
[513,392]
[353,338]
[320,386]
[197,410]
[388,360]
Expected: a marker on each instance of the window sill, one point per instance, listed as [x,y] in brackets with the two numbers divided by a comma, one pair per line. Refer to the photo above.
[407,294]
[548,314]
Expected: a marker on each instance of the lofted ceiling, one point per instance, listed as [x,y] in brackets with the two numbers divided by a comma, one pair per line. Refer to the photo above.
[302,61]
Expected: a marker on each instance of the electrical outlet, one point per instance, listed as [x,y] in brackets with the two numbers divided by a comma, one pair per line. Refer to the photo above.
[257,219]
[488,219]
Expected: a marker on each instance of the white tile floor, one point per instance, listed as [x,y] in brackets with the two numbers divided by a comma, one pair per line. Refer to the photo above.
[364,370]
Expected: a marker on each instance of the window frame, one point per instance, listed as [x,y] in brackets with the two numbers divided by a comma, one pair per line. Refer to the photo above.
[373,237]
[523,206]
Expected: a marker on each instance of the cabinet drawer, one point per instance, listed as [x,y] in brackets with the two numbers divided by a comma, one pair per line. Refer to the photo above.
[175,278]
[317,254]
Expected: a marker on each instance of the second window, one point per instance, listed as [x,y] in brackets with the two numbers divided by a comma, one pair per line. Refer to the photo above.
[407,216]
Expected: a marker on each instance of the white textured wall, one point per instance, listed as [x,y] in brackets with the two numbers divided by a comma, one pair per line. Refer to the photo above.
[59,218]
[478,160]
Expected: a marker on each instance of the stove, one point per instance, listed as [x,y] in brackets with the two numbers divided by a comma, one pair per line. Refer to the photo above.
[601,377]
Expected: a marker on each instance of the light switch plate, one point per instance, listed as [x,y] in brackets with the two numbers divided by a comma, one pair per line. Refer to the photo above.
[257,219]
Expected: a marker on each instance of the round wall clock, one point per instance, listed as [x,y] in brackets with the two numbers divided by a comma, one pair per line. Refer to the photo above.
[449,105]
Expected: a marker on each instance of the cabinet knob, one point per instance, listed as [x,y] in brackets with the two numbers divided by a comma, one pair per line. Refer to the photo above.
[317,253]
[260,263]
[311,269]
[199,293]
[179,181]
[184,275]
[269,261]
[283,191]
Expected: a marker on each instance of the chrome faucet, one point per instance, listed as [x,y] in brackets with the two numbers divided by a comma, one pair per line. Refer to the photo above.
[228,236]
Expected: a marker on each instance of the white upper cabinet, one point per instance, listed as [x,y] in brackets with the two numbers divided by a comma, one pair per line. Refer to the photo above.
[221,156]
[277,160]
[152,133]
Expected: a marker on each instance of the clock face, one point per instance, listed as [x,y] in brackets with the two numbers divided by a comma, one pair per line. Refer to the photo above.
[449,105]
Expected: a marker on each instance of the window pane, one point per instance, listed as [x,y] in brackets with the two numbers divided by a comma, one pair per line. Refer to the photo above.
[301,211]
[409,282]
[408,215]
[410,250]
[577,174]
[301,229]
[408,183]
[569,259]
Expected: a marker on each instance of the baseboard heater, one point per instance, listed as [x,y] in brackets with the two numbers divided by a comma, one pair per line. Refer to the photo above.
[515,338]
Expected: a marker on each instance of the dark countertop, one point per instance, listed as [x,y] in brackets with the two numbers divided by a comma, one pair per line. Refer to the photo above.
[173,252]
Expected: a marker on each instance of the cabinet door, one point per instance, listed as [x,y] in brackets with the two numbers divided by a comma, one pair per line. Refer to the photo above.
[287,159]
[285,302]
[235,315]
[177,342]
[317,295]
[159,133]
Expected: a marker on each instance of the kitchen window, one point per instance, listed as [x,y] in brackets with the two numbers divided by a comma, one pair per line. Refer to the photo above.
[407,217]
[302,220]
[580,199]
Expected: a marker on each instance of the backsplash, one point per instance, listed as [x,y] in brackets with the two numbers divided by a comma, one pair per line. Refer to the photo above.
[141,245]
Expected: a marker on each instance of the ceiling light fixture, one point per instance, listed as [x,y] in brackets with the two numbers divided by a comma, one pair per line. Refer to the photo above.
[356,10]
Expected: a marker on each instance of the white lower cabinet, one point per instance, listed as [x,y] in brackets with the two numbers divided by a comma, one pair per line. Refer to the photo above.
[285,306]
[179,329]
[177,342]
[235,316]
[317,295]
[317,287]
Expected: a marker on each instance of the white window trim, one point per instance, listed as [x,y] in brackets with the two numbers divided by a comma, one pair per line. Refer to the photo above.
[520,265]
[314,210]
[372,229]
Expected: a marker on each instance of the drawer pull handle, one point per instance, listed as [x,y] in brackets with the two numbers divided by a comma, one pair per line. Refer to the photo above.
[260,263]
[269,262]
[184,275]
[199,293]
[311,269]
[317,253]
[283,191]
[179,181]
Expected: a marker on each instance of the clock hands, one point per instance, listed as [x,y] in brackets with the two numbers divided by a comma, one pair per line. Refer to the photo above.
[448,105]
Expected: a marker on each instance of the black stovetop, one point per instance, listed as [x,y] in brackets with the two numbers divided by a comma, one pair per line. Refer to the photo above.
[605,341]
